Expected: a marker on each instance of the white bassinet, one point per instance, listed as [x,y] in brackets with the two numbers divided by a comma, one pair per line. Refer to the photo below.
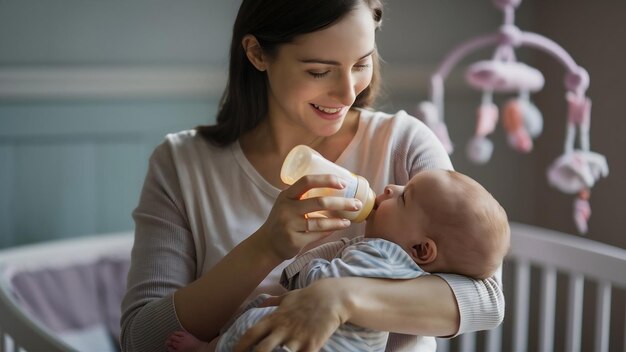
[57,295]
[63,295]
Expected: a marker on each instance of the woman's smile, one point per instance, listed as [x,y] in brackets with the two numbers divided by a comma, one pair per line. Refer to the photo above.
[329,113]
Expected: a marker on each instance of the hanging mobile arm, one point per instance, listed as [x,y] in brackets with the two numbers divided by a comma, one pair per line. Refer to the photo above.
[577,170]
[576,81]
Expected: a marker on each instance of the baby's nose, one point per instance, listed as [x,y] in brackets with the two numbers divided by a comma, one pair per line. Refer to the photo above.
[389,192]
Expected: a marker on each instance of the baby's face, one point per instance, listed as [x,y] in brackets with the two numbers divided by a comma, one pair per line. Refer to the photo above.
[398,216]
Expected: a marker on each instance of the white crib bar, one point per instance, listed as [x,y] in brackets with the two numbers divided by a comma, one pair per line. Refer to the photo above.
[494,340]
[522,288]
[575,312]
[547,309]
[443,345]
[468,342]
[7,343]
[603,316]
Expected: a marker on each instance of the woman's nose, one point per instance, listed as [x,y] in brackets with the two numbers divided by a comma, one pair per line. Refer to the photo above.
[344,89]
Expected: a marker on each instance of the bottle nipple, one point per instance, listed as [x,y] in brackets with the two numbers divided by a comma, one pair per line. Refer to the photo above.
[366,195]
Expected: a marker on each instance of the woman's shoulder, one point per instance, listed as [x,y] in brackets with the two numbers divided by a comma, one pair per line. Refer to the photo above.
[182,139]
[405,139]
[399,126]
[192,141]
[400,119]
[187,146]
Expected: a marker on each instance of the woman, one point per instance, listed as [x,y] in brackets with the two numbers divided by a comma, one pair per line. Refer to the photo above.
[215,225]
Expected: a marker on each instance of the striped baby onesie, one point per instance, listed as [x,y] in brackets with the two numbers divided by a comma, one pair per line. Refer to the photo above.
[362,257]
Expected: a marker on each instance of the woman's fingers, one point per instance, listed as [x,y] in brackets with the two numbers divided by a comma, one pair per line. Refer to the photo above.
[323,225]
[272,341]
[303,322]
[271,301]
[252,336]
[308,182]
[288,229]
[265,337]
[331,203]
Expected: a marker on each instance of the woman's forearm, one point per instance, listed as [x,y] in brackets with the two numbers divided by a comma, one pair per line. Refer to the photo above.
[205,305]
[423,306]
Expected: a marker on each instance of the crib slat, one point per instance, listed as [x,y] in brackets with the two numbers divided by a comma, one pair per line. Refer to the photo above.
[468,342]
[494,339]
[443,345]
[7,342]
[575,312]
[547,309]
[603,316]
[522,289]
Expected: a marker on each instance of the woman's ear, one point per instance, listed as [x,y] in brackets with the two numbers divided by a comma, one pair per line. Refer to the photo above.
[425,252]
[254,52]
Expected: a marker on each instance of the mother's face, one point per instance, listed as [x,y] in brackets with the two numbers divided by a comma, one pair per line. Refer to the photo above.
[314,80]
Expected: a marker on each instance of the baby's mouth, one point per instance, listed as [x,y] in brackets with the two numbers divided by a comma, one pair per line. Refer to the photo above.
[371,214]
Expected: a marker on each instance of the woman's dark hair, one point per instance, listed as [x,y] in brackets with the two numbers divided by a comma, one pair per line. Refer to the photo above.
[274,22]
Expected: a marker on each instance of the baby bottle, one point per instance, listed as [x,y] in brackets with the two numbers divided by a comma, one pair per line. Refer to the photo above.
[303,160]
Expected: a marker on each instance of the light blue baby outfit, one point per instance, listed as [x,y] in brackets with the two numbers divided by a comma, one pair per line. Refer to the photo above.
[362,257]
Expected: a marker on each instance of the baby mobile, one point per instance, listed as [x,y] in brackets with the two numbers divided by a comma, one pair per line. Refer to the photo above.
[577,169]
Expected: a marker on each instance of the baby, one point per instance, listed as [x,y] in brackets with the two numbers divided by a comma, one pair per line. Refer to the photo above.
[441,221]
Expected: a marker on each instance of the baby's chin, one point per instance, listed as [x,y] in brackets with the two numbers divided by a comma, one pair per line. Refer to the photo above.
[369,232]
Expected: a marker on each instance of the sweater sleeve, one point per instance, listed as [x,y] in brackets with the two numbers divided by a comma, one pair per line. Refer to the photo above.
[480,302]
[162,259]
[415,149]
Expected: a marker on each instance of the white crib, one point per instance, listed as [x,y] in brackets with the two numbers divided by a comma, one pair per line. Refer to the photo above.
[544,278]
[63,295]
[559,265]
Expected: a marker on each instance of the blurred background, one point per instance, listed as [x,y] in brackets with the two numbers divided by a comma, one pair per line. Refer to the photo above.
[89,87]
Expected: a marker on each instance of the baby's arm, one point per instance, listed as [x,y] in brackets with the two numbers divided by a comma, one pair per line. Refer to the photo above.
[374,258]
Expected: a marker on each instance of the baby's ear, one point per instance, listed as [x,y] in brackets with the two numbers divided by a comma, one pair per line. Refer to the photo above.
[424,252]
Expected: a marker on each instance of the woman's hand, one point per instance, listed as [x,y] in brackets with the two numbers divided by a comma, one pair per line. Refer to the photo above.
[287,229]
[303,321]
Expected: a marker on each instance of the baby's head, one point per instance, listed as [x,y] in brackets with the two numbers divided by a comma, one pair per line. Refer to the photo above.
[445,221]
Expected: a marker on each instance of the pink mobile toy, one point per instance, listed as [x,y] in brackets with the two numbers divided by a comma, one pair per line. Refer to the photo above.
[576,170]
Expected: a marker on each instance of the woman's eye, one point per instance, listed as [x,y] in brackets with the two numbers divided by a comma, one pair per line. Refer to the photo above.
[318,74]
[361,67]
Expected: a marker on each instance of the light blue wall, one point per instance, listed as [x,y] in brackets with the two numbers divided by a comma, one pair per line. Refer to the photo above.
[70,169]
[74,165]
[80,32]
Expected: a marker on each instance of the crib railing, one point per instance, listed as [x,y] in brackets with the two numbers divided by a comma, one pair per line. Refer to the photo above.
[20,333]
[544,277]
